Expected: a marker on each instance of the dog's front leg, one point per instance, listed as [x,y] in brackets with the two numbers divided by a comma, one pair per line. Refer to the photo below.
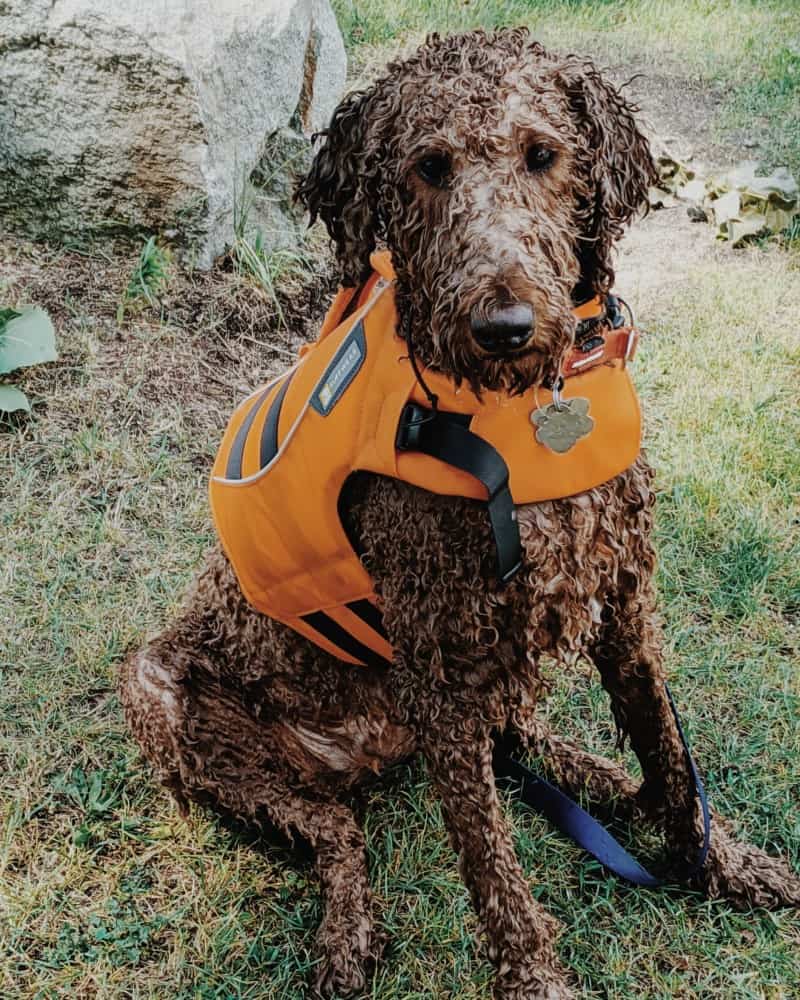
[628,655]
[520,933]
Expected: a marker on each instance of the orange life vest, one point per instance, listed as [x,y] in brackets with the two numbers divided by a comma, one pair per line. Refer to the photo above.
[290,446]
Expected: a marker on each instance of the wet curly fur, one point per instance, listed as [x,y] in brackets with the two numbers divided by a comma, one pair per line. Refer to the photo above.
[495,172]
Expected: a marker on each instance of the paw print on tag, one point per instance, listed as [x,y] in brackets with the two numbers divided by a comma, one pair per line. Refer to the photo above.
[560,427]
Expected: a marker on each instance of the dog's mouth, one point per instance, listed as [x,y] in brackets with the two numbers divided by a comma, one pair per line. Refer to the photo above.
[515,349]
[504,331]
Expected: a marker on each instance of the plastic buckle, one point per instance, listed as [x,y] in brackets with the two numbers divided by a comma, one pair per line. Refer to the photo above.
[630,347]
[614,314]
[409,430]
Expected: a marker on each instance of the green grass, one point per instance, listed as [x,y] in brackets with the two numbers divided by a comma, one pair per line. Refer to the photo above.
[266,268]
[750,49]
[716,34]
[766,105]
[148,279]
[106,893]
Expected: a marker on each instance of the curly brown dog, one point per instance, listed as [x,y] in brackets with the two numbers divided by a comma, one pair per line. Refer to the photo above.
[496,173]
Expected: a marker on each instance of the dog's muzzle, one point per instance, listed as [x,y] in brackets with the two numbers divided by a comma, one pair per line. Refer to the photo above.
[504,329]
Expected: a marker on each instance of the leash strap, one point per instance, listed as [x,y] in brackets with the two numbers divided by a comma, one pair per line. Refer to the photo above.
[587,832]
[445,436]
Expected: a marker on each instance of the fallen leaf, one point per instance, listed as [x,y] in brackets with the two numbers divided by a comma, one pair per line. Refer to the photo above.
[693,191]
[751,224]
[727,206]
[13,399]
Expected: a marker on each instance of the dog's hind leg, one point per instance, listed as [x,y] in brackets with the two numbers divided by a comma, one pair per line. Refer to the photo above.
[347,945]
[206,747]
[628,655]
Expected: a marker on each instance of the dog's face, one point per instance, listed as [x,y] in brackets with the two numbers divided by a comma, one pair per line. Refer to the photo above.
[499,176]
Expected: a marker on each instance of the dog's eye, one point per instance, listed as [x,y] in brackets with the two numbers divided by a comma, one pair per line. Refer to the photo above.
[434,169]
[539,158]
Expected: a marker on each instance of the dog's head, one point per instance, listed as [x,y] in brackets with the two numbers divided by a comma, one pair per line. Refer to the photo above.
[499,176]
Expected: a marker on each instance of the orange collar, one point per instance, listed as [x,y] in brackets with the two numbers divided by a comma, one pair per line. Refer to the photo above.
[613,345]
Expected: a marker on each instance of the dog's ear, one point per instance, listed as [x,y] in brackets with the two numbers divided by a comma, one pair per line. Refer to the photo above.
[615,166]
[343,185]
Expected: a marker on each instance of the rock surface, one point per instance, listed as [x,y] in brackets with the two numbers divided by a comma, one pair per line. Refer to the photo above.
[153,115]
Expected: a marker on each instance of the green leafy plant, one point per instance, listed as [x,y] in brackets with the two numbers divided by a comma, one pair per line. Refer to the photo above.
[94,793]
[791,235]
[119,935]
[253,259]
[27,338]
[266,267]
[148,280]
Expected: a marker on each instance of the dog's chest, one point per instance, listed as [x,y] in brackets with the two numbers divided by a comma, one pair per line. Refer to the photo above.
[574,550]
[433,559]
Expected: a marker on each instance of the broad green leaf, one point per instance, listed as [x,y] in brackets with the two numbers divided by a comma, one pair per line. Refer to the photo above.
[28,339]
[5,316]
[12,399]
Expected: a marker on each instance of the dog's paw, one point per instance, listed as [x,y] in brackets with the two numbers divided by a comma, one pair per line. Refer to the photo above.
[745,875]
[340,975]
[346,961]
[542,983]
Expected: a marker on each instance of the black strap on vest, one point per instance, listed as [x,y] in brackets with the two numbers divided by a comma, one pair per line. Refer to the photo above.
[444,436]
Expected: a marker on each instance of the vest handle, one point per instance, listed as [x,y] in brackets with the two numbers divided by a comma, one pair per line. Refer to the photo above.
[447,437]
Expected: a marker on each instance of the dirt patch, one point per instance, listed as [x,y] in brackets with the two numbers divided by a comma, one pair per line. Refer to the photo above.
[682,112]
[659,253]
[666,247]
[167,377]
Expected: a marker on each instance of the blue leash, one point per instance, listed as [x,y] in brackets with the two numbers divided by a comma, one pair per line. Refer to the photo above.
[592,836]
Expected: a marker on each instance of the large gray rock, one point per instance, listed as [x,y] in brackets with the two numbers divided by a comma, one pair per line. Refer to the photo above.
[145,115]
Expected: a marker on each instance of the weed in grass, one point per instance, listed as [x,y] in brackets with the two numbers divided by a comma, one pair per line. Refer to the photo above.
[265,267]
[119,935]
[790,238]
[94,793]
[148,280]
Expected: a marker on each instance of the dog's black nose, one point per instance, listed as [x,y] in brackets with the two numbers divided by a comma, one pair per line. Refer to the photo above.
[503,329]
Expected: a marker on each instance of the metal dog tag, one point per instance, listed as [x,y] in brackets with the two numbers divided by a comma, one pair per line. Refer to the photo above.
[560,426]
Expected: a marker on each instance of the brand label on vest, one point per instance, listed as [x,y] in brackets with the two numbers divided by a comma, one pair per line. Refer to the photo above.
[341,371]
